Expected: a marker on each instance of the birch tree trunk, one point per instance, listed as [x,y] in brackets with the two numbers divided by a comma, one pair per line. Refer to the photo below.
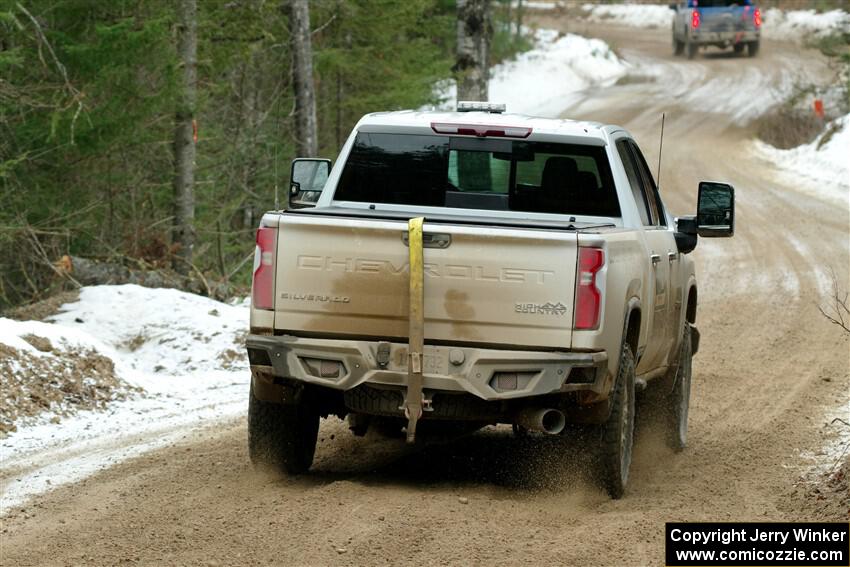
[474,29]
[184,142]
[306,138]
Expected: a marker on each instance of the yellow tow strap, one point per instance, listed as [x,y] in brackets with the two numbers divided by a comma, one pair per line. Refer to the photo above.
[413,404]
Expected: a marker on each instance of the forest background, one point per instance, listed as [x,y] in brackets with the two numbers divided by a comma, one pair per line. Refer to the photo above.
[90,93]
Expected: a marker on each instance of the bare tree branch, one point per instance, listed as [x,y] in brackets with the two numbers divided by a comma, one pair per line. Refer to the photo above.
[837,311]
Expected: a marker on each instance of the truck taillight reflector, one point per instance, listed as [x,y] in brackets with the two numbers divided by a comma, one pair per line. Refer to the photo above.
[757,18]
[588,295]
[262,291]
[695,19]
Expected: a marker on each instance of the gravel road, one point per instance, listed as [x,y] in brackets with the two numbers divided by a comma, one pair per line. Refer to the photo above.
[770,373]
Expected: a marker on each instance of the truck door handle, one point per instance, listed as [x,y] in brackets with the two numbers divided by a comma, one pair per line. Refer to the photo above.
[671,256]
[655,258]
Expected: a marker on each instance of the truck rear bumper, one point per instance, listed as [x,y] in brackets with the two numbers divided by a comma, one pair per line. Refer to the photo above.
[724,38]
[489,374]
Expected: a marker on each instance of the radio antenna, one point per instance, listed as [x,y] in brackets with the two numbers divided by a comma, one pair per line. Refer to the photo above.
[660,147]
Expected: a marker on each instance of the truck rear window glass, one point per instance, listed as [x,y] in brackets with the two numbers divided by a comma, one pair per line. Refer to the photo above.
[472,173]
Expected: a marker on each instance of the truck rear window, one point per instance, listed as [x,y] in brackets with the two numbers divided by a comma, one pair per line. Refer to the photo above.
[473,173]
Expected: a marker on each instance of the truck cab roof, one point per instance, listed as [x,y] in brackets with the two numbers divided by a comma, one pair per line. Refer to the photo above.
[418,120]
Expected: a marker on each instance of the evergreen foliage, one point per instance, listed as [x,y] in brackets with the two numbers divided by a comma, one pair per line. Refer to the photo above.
[87,103]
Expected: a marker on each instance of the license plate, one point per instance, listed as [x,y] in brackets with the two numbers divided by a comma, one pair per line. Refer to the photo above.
[433,361]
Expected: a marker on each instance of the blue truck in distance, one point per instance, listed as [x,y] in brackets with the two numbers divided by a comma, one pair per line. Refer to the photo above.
[721,23]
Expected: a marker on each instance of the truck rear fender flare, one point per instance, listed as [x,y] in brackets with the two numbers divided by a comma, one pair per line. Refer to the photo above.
[688,309]
[631,336]
[632,325]
[690,315]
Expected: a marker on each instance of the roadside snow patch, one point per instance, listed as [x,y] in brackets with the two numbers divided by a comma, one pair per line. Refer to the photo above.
[822,165]
[48,372]
[549,78]
[798,24]
[181,357]
[160,331]
[631,15]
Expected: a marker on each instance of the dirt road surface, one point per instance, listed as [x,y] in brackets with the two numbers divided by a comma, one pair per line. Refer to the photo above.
[770,374]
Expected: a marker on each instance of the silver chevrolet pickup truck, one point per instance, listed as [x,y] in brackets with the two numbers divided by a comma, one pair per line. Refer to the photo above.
[455,270]
[719,23]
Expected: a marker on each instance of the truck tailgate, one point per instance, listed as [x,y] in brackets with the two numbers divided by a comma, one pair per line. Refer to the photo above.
[726,19]
[492,285]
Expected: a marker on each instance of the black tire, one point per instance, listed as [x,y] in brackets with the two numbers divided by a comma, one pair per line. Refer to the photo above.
[678,47]
[753,48]
[678,395]
[282,436]
[738,48]
[618,430]
[691,48]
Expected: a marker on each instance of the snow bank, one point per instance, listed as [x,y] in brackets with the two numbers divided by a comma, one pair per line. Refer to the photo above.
[798,24]
[160,331]
[182,354]
[547,79]
[822,165]
[12,333]
[632,15]
[48,372]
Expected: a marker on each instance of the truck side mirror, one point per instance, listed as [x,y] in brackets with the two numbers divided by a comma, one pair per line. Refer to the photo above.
[715,210]
[307,178]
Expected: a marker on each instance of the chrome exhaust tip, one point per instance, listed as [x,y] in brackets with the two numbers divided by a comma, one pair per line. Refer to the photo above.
[546,420]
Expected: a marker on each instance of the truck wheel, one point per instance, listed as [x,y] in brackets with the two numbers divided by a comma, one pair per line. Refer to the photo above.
[282,436]
[678,47]
[753,48]
[692,49]
[738,48]
[678,388]
[618,430]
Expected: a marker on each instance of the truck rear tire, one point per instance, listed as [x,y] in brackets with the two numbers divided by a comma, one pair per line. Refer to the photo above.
[618,430]
[678,46]
[738,48]
[282,436]
[692,49]
[678,390]
[753,48]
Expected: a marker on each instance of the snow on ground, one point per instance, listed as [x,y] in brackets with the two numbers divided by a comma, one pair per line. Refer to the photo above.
[632,15]
[184,352]
[548,79]
[159,331]
[799,24]
[820,167]
[48,373]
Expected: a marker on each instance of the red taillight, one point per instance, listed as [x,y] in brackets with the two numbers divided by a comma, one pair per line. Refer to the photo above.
[262,292]
[481,130]
[588,295]
[757,18]
[695,19]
